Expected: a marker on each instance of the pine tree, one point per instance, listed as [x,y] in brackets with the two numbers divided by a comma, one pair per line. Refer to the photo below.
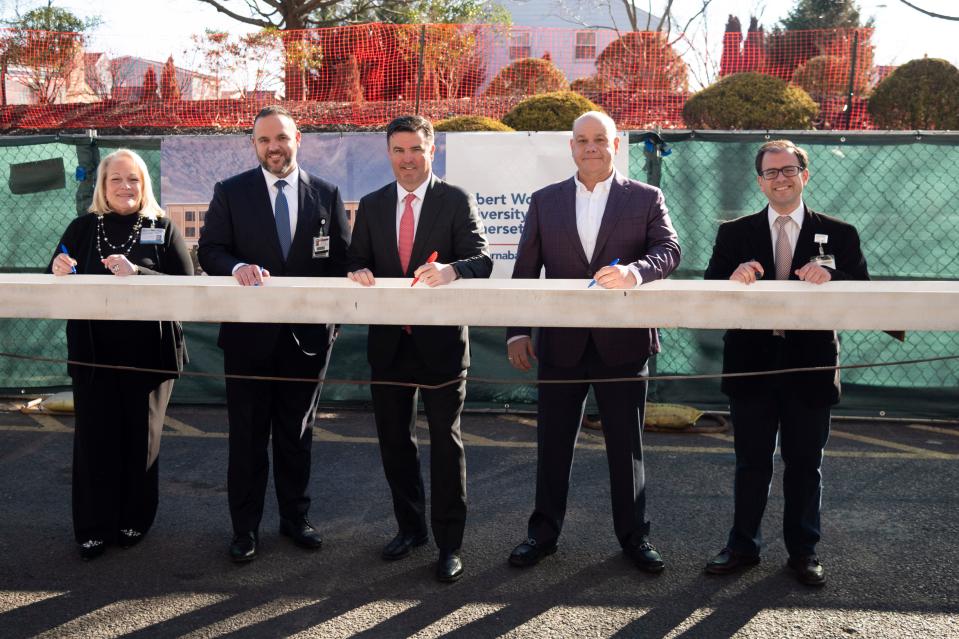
[149,85]
[169,87]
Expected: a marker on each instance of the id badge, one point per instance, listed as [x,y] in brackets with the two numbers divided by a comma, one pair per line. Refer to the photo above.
[151,236]
[824,260]
[321,246]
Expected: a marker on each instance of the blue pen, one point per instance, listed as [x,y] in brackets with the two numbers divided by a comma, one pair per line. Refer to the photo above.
[63,249]
[613,263]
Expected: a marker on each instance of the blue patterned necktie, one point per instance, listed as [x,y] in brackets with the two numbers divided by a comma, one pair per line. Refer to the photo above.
[282,215]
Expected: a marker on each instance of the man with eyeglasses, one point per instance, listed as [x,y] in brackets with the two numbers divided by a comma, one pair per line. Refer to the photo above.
[786,240]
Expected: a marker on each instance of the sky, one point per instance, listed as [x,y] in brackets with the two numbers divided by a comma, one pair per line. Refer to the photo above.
[156,29]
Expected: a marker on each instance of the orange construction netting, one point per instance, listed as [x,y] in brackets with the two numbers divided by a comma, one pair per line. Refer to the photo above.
[366,74]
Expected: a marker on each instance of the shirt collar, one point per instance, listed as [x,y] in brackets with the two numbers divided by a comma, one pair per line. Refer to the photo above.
[292,179]
[797,215]
[419,192]
[601,187]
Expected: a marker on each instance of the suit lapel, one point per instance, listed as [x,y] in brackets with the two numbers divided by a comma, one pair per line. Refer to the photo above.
[262,208]
[387,215]
[567,213]
[429,213]
[804,243]
[763,239]
[618,194]
[307,210]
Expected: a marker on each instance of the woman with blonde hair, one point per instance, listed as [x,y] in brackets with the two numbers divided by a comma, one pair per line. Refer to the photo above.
[119,413]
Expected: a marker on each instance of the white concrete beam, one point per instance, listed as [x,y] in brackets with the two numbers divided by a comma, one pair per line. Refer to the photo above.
[913,305]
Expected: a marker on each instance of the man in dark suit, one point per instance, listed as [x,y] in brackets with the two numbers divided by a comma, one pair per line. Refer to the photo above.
[276,219]
[574,229]
[786,240]
[396,230]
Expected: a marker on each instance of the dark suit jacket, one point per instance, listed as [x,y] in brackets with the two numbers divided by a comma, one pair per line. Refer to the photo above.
[748,238]
[240,227]
[635,228]
[448,224]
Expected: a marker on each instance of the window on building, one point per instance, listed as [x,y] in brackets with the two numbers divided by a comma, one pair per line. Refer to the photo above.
[189,216]
[190,231]
[202,216]
[519,45]
[585,45]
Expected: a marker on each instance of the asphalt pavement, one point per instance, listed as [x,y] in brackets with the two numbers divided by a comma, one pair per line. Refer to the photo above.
[890,531]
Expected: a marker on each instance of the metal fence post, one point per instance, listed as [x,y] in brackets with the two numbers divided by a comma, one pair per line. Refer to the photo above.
[419,75]
[88,158]
[852,77]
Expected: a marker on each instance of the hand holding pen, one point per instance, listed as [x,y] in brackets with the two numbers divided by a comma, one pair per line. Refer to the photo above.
[434,273]
[63,264]
[612,277]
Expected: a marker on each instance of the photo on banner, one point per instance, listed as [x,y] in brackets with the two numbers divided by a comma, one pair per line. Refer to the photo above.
[357,163]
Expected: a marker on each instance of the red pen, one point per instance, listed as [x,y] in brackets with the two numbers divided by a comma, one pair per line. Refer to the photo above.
[429,260]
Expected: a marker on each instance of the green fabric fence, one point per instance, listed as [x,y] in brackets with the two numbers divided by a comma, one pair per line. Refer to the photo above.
[901,190]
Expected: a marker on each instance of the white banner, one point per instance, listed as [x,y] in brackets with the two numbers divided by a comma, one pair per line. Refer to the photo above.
[502,170]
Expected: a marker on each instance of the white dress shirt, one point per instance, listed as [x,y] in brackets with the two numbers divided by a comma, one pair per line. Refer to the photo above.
[292,193]
[792,230]
[401,193]
[590,207]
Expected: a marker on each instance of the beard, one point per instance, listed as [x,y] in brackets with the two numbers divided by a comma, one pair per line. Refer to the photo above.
[279,164]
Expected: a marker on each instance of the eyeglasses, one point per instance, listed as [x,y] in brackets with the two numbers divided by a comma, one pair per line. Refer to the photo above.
[787,171]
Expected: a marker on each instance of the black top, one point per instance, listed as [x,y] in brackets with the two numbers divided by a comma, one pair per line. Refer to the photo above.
[145,344]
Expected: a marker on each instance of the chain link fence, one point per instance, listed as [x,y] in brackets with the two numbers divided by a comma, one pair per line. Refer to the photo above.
[899,190]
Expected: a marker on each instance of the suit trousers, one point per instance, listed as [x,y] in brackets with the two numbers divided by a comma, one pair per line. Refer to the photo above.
[622,407]
[394,409]
[259,409]
[803,429]
[116,440]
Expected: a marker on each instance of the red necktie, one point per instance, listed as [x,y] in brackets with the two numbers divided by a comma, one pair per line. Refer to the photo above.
[405,239]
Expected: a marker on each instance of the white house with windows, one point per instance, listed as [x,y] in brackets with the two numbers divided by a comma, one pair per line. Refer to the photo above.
[572,32]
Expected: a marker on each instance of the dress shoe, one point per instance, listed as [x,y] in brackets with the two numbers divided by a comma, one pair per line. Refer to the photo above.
[243,548]
[129,537]
[646,557]
[401,545]
[302,533]
[450,567]
[729,561]
[91,549]
[530,552]
[808,570]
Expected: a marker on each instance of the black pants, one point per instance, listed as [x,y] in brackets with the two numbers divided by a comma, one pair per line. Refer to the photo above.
[257,409]
[622,407]
[119,418]
[394,408]
[803,428]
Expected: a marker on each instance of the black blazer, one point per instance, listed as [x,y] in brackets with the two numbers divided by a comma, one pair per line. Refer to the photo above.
[240,227]
[448,224]
[143,344]
[748,238]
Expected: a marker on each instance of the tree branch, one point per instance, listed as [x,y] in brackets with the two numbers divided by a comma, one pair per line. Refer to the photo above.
[929,13]
[236,16]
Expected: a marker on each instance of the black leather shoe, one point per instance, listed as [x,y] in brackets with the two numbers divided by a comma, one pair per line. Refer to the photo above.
[401,545]
[646,557]
[243,548]
[450,567]
[91,549]
[302,533]
[129,537]
[808,570]
[729,561]
[530,552]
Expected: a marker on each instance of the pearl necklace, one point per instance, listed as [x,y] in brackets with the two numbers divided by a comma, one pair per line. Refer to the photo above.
[123,247]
